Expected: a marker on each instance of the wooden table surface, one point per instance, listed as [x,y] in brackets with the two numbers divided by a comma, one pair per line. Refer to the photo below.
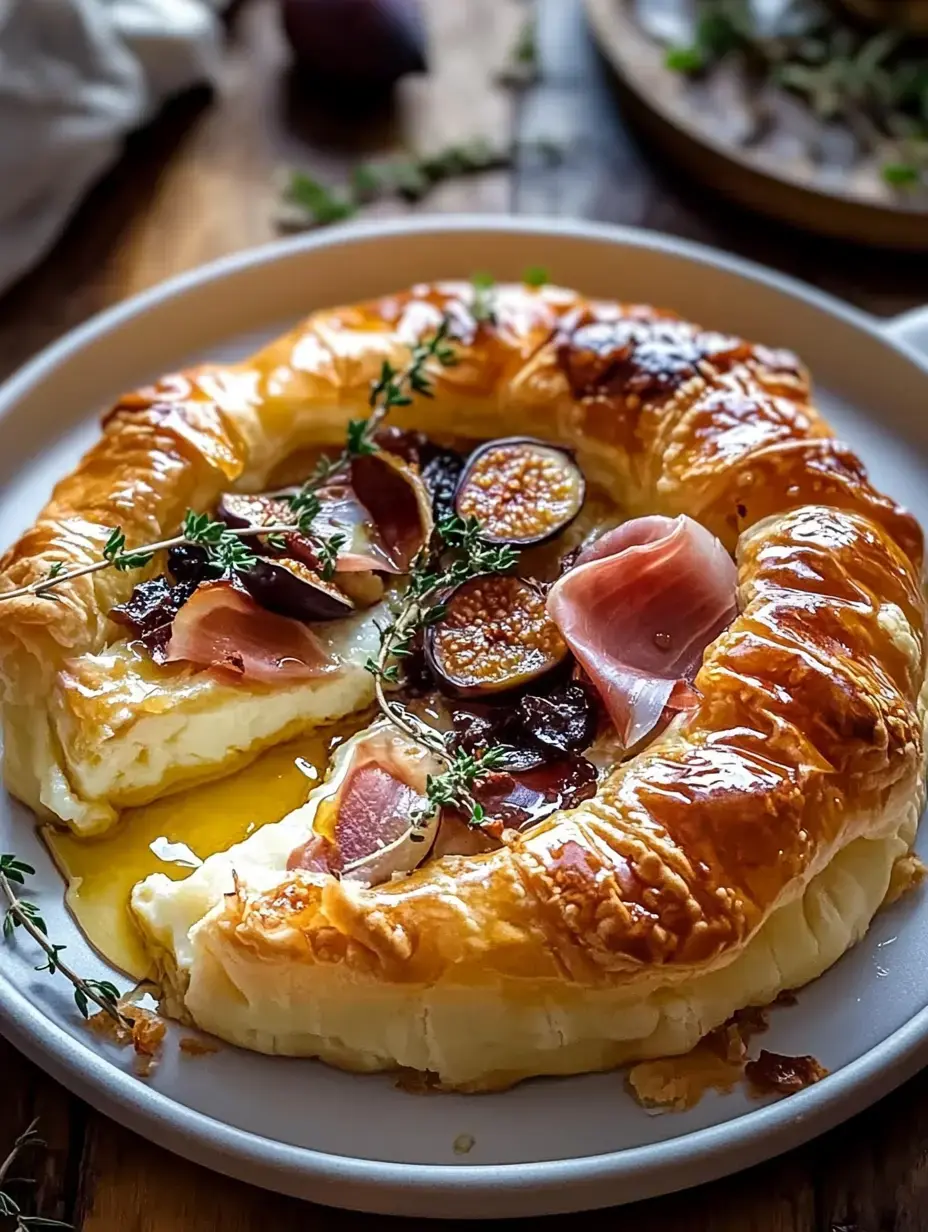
[200,183]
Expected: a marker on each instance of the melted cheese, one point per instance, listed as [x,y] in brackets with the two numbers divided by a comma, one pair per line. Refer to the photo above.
[130,731]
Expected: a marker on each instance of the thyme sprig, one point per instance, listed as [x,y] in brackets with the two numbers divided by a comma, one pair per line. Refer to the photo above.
[223,544]
[9,1208]
[394,388]
[458,554]
[309,202]
[22,913]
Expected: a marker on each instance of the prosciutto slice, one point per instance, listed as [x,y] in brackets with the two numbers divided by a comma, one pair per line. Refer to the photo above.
[221,626]
[363,823]
[639,609]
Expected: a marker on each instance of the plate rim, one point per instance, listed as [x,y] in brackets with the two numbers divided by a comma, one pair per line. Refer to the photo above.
[698,1155]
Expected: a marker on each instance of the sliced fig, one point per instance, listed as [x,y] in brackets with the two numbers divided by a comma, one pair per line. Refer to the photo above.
[403,442]
[398,503]
[239,510]
[522,491]
[495,637]
[289,588]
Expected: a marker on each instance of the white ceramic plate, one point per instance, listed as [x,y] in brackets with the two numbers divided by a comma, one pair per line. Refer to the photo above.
[547,1146]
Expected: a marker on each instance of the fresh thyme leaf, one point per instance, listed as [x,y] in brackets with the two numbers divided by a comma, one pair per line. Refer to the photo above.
[410,180]
[358,440]
[15,870]
[277,541]
[52,965]
[685,60]
[536,276]
[367,180]
[134,560]
[521,69]
[114,544]
[410,177]
[20,913]
[56,569]
[328,555]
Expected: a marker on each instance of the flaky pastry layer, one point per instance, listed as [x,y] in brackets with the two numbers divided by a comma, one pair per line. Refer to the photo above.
[807,747]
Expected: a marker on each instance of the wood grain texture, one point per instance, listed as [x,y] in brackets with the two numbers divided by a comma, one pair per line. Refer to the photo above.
[200,183]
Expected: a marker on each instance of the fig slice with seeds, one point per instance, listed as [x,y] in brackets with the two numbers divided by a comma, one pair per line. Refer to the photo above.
[289,588]
[522,491]
[241,510]
[494,637]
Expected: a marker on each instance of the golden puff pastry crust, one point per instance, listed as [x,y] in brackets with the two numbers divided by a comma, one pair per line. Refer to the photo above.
[739,854]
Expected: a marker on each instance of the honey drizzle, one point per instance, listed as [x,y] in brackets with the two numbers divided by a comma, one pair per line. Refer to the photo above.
[161,836]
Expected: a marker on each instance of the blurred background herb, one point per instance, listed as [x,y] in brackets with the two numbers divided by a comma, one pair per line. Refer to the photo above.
[876,83]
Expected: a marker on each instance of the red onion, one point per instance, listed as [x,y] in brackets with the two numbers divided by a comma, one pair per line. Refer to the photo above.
[356,44]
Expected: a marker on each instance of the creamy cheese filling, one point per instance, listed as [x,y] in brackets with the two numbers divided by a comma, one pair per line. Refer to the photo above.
[128,731]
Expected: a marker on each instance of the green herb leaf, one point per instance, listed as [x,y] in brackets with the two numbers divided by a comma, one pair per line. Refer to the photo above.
[901,175]
[483,306]
[358,442]
[536,276]
[114,544]
[323,205]
[685,60]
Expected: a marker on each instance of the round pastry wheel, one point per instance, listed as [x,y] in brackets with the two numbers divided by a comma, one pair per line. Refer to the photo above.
[547,1146]
[710,128]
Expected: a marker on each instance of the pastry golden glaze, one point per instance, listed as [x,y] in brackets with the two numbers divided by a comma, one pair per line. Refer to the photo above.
[668,417]
[739,854]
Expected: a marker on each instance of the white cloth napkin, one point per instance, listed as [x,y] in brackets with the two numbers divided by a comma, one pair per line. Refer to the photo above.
[75,77]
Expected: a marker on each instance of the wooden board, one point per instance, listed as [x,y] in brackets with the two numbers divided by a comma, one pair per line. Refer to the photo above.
[709,127]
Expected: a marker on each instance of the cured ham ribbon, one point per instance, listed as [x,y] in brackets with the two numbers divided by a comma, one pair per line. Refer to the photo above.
[639,609]
[221,626]
[363,824]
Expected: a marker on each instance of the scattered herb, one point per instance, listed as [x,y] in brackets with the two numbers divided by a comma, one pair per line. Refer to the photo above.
[215,536]
[522,68]
[320,203]
[21,913]
[9,1207]
[310,203]
[536,276]
[482,307]
[873,83]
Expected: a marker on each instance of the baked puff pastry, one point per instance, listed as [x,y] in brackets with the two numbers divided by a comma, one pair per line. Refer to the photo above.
[736,855]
